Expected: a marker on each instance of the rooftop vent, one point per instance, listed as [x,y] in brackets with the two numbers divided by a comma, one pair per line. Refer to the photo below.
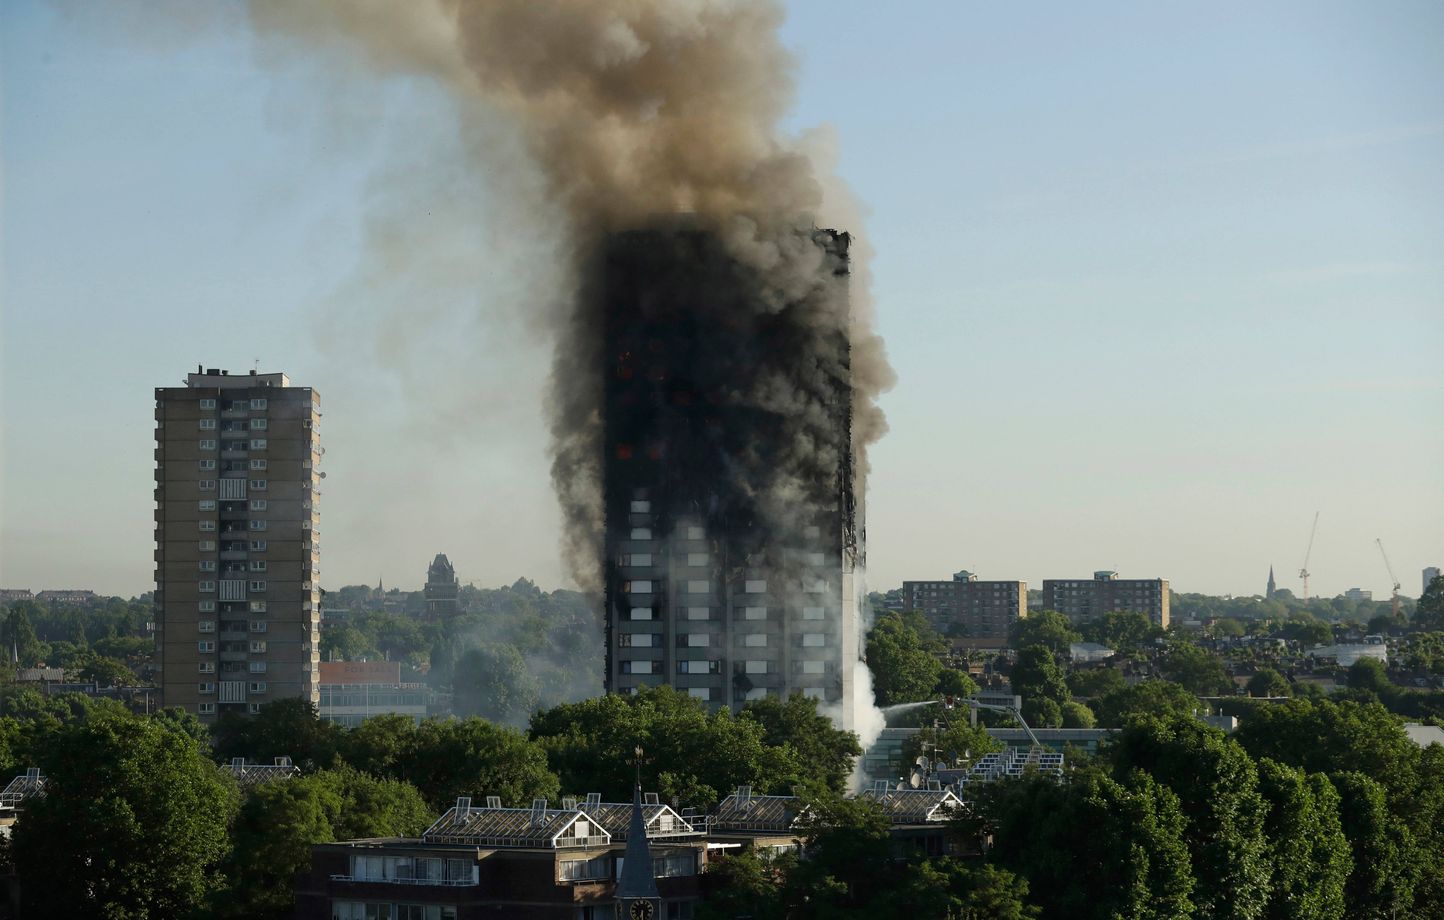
[650,798]
[538,811]
[879,787]
[569,803]
[32,772]
[493,801]
[594,799]
[238,762]
[283,761]
[463,805]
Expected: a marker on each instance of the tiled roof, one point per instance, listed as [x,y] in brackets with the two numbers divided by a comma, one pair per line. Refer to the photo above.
[745,812]
[577,825]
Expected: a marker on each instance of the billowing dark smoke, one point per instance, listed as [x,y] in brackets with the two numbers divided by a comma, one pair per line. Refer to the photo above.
[636,111]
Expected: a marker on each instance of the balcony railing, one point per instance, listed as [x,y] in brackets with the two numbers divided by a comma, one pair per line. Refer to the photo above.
[437,883]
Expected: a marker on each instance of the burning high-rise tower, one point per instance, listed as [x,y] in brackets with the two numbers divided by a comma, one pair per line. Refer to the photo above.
[731,531]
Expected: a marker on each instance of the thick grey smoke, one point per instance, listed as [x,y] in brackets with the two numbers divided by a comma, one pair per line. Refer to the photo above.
[632,110]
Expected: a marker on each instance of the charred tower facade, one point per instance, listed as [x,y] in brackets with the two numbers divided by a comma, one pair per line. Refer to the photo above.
[732,530]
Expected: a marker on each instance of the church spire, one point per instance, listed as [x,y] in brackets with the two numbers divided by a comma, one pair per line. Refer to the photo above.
[1272,586]
[637,895]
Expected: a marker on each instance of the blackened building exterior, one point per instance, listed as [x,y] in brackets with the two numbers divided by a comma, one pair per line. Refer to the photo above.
[732,532]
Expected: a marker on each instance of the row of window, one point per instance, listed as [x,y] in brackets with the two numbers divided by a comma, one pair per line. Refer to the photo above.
[254,444]
[209,565]
[386,910]
[705,613]
[209,626]
[209,587]
[253,524]
[252,606]
[258,646]
[703,586]
[256,686]
[255,424]
[255,667]
[236,404]
[209,709]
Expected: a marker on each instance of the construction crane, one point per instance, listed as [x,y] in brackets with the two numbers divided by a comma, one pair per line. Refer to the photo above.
[1392,577]
[1304,572]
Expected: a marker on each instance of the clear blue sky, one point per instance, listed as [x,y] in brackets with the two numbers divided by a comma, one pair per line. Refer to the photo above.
[1159,282]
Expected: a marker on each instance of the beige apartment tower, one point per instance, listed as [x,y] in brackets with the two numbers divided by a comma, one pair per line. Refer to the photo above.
[1081,599]
[236,542]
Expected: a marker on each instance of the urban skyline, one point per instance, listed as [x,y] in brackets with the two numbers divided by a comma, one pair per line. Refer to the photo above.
[1232,384]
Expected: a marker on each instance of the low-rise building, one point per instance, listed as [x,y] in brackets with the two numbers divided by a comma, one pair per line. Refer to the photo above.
[353,691]
[1082,599]
[12,595]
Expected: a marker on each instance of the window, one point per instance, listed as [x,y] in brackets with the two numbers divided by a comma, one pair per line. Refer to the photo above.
[641,613]
[755,640]
[812,530]
[206,626]
[208,424]
[697,640]
[755,613]
[701,693]
[258,464]
[599,867]
[258,546]
[641,533]
[756,667]
[258,686]
[258,565]
[684,863]
[258,586]
[814,667]
[815,586]
[696,558]
[639,559]
[208,606]
[698,586]
[636,667]
[638,640]
[258,646]
[208,587]
[207,464]
[253,708]
[641,507]
[812,558]
[206,525]
[206,504]
[813,640]
[258,443]
[258,626]
[208,445]
[699,613]
[256,525]
[638,587]
[208,565]
[755,586]
[207,485]
[256,667]
[207,667]
[700,666]
[258,606]
[258,504]
[206,709]
[207,546]
[258,485]
[812,613]
[208,404]
[695,533]
[258,403]
[205,688]
[258,424]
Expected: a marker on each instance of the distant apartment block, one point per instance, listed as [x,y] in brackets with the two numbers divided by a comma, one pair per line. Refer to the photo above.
[1358,595]
[67,596]
[1430,573]
[983,609]
[237,555]
[442,592]
[14,595]
[1085,599]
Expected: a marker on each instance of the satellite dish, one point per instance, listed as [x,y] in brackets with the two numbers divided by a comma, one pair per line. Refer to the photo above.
[916,780]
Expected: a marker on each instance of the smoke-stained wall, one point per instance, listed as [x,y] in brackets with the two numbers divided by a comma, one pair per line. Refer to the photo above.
[728,480]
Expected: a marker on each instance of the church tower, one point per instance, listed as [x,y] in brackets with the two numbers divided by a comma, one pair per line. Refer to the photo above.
[1272,587]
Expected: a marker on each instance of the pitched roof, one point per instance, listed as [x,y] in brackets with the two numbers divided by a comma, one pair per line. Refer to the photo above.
[575,825]
[27,785]
[636,879]
[742,811]
[914,806]
[248,775]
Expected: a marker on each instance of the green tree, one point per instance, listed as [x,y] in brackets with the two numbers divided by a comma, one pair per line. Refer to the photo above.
[289,727]
[495,683]
[1092,849]
[688,753]
[1077,715]
[1197,670]
[1121,630]
[905,666]
[1096,682]
[1308,631]
[1267,682]
[959,890]
[747,884]
[280,821]
[1429,612]
[1307,847]
[1382,881]
[849,870]
[1369,674]
[472,757]
[132,825]
[1038,679]
[1159,698]
[18,634]
[103,671]
[1047,628]
[1217,787]
[796,723]
[955,741]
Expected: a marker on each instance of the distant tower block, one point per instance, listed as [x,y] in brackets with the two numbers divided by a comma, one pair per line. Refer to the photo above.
[442,590]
